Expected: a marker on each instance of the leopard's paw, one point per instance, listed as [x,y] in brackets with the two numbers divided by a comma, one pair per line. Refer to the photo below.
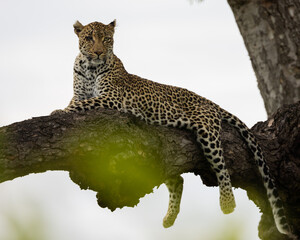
[58,111]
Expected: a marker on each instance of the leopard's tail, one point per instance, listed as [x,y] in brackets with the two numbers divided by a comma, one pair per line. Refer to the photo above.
[272,193]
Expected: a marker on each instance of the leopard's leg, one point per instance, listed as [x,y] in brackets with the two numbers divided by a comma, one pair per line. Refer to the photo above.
[104,101]
[211,145]
[175,187]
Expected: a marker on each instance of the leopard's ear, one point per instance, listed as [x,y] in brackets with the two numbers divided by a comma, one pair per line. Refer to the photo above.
[113,23]
[77,27]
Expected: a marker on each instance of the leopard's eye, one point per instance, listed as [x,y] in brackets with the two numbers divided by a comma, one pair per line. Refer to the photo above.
[107,39]
[89,38]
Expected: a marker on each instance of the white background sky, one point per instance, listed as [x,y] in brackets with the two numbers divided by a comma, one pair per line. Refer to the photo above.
[195,46]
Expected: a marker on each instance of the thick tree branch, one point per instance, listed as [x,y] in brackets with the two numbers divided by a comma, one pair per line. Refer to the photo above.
[123,158]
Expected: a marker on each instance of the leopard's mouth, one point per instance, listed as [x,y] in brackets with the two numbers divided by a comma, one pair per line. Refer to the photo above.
[97,60]
[94,57]
[101,57]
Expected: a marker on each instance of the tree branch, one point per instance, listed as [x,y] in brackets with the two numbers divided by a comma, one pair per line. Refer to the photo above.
[122,158]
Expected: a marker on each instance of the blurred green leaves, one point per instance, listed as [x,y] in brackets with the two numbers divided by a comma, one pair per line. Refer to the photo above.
[233,230]
[121,168]
[28,224]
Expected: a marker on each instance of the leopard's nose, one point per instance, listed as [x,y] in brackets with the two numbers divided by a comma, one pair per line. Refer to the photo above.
[98,52]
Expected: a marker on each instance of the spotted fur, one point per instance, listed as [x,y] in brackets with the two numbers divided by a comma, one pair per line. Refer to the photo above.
[101,81]
[175,187]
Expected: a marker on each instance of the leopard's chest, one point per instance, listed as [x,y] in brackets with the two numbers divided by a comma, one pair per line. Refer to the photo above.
[92,82]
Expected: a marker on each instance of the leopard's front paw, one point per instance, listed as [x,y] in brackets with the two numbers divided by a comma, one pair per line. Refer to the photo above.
[58,111]
[170,218]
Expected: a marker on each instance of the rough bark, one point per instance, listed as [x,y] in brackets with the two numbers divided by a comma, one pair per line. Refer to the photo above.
[122,158]
[271,33]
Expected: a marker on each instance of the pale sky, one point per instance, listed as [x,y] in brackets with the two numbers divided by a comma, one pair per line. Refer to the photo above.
[195,46]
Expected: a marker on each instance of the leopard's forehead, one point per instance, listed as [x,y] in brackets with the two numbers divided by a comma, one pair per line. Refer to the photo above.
[97,27]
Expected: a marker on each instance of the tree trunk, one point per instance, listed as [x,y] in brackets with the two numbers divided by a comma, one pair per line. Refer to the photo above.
[271,33]
[122,158]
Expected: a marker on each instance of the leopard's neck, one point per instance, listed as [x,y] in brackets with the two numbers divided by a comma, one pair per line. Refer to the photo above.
[112,63]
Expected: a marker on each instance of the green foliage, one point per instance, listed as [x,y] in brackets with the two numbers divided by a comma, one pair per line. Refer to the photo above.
[119,170]
[195,1]
[18,227]
[228,232]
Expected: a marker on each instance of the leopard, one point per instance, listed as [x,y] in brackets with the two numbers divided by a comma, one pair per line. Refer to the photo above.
[101,81]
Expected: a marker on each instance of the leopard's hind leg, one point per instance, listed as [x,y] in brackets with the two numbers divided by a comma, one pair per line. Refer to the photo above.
[175,187]
[208,135]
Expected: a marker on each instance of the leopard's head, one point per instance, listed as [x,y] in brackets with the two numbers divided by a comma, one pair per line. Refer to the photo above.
[96,40]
